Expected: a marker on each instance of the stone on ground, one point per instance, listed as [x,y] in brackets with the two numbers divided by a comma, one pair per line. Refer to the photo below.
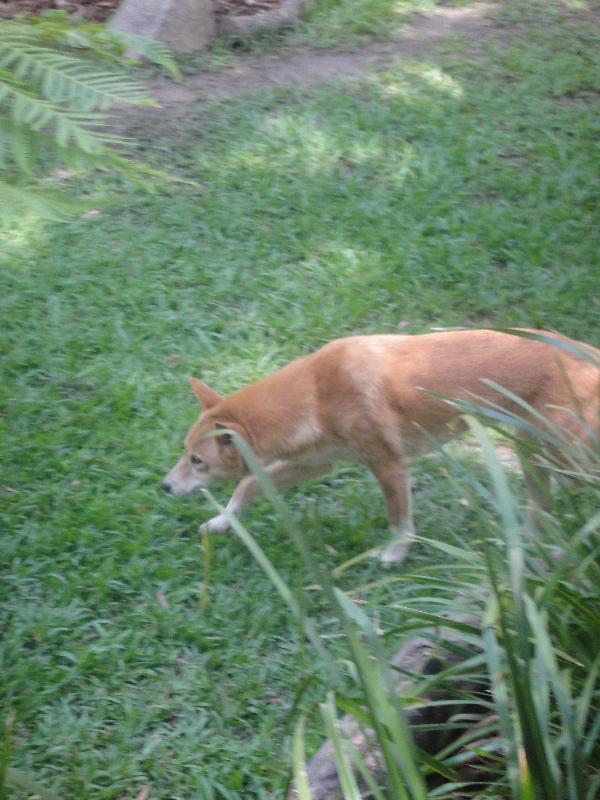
[183,25]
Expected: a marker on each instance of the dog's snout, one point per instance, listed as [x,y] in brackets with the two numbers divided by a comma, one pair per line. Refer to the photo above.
[166,486]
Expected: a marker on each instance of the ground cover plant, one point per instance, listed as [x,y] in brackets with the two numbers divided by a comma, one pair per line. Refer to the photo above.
[336,23]
[507,704]
[443,192]
[57,79]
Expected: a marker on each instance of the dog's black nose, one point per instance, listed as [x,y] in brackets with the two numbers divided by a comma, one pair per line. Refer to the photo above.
[166,487]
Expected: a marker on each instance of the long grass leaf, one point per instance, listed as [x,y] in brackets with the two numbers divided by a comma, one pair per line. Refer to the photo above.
[586,697]
[284,591]
[461,554]
[578,349]
[392,730]
[510,733]
[565,702]
[299,761]
[375,791]
[348,782]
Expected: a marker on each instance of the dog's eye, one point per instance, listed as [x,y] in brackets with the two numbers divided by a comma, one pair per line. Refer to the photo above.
[196,460]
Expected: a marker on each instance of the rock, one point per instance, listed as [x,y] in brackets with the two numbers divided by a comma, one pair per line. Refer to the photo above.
[418,656]
[183,25]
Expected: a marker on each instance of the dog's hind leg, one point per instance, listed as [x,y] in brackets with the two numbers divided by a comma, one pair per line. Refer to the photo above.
[393,475]
[281,474]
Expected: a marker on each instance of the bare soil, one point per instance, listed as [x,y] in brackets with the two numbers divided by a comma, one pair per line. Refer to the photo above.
[235,8]
[308,66]
[90,10]
[100,10]
[301,66]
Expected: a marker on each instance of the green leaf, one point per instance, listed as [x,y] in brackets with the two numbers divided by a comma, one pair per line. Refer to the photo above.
[24,148]
[299,761]
[566,703]
[348,782]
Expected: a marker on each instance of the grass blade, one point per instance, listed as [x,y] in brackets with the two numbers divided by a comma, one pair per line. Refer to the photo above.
[299,761]
[572,745]
[284,591]
[347,780]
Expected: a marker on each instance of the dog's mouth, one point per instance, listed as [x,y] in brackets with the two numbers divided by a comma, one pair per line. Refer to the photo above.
[177,490]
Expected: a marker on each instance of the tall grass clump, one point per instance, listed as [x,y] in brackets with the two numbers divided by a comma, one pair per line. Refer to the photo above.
[539,633]
[513,616]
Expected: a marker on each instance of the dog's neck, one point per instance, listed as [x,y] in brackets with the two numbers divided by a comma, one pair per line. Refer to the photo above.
[278,419]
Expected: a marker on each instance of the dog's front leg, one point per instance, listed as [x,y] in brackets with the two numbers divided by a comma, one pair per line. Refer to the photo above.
[281,473]
[393,475]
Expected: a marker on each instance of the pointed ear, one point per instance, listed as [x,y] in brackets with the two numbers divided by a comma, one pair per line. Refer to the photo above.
[206,396]
[226,439]
[227,449]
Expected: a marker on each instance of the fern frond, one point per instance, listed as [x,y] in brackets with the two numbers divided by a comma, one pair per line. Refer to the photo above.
[156,52]
[69,127]
[55,30]
[25,149]
[63,78]
[53,96]
[5,143]
[16,200]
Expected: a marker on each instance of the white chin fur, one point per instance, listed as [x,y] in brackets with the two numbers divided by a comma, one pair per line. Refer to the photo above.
[180,491]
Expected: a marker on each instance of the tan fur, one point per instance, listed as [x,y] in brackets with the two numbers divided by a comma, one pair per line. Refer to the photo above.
[368,399]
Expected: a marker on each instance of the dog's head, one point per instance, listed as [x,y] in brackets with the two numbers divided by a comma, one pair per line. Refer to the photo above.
[209,456]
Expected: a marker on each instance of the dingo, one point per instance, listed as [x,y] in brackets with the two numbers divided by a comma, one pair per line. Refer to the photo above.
[371,399]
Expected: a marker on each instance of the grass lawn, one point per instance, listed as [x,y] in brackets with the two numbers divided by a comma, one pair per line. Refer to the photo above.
[443,192]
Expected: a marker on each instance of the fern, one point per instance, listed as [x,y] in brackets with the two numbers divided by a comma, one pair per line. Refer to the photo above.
[57,80]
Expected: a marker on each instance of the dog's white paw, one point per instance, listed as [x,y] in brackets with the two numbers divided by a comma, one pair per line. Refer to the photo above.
[218,524]
[394,553]
[397,550]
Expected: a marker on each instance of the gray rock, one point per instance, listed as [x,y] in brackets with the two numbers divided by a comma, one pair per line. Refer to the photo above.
[417,656]
[183,25]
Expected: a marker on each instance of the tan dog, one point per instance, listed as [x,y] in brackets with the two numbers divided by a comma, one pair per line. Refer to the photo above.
[368,399]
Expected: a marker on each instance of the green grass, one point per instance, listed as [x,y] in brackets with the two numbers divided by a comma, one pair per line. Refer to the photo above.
[336,22]
[327,23]
[323,24]
[445,192]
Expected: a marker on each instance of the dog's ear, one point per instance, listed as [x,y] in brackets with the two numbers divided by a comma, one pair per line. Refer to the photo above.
[227,449]
[226,439]
[206,396]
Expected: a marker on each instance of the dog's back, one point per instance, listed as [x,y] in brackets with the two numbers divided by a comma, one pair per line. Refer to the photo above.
[399,380]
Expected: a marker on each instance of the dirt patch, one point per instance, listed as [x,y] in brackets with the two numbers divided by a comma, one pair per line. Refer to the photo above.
[307,67]
[101,10]
[235,8]
[90,10]
[579,99]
